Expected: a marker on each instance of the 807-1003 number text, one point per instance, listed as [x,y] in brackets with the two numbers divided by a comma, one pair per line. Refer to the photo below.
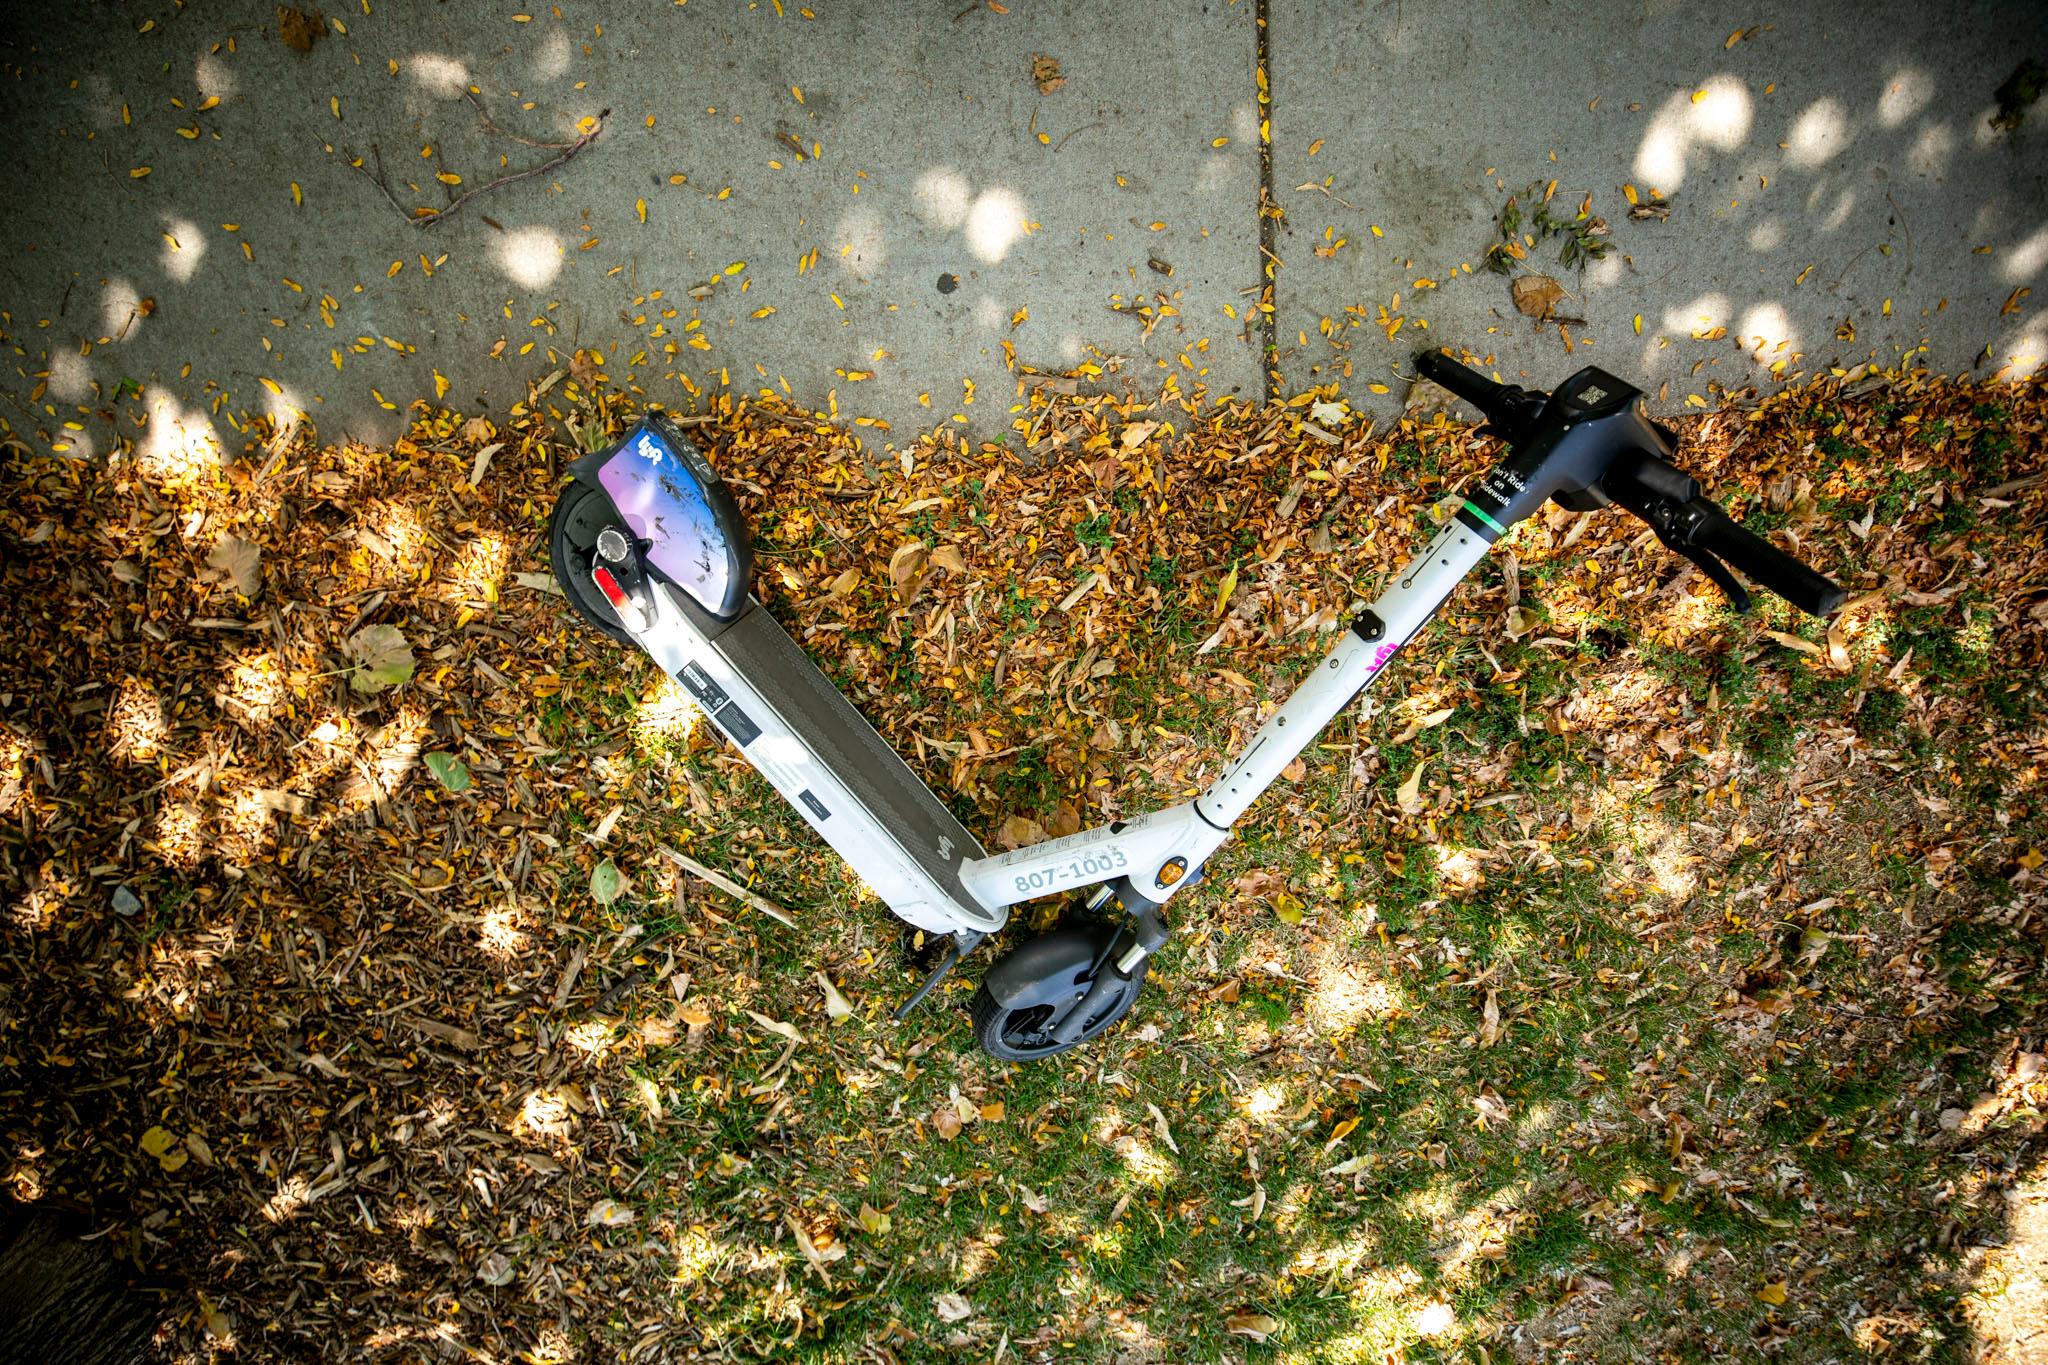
[1091,866]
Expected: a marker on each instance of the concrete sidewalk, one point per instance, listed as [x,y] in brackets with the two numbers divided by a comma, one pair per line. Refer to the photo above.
[914,213]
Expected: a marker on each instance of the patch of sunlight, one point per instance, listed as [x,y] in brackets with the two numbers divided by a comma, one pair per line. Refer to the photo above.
[1766,329]
[1818,135]
[1458,868]
[438,74]
[1435,1201]
[2024,260]
[1144,1163]
[1717,115]
[858,243]
[178,443]
[255,682]
[1481,1233]
[70,378]
[212,77]
[137,729]
[244,824]
[1702,314]
[1070,348]
[669,716]
[994,223]
[1904,95]
[1333,1258]
[285,409]
[501,934]
[2023,354]
[291,1196]
[698,1254]
[1108,1242]
[481,566]
[1539,1118]
[942,197]
[1767,235]
[1932,150]
[1435,1319]
[1689,614]
[120,312]
[1345,995]
[530,256]
[545,1113]
[553,57]
[988,313]
[1264,1102]
[593,1038]
[184,246]
[402,529]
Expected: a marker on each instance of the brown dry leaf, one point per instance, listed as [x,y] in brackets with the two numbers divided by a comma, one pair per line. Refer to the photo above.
[946,1121]
[1257,1326]
[906,568]
[298,30]
[1489,1020]
[1537,296]
[950,558]
[1045,73]
[1410,794]
[1019,831]
[237,563]
[952,1307]
[1794,642]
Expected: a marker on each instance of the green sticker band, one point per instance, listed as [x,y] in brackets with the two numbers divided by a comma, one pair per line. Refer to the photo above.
[1480,512]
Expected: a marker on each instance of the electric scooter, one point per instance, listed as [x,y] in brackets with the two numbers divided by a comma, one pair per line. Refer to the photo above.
[650,548]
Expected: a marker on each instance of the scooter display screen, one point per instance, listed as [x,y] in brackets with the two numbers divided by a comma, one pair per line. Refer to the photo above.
[663,502]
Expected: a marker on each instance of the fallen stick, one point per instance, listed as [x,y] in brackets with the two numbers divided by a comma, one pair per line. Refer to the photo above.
[728,886]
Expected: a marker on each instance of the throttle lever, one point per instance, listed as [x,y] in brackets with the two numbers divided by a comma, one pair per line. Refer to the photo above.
[1677,521]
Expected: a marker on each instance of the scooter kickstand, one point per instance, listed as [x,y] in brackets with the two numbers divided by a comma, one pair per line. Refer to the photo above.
[958,945]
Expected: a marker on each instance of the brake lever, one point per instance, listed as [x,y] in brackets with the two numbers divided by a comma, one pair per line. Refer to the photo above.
[1675,523]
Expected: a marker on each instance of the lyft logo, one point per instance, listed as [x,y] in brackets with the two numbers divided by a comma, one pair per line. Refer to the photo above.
[1380,657]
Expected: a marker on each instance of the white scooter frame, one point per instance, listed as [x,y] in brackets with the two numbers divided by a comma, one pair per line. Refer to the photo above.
[667,552]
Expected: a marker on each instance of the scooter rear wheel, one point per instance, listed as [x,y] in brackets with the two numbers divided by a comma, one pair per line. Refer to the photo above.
[1026,1035]
[580,514]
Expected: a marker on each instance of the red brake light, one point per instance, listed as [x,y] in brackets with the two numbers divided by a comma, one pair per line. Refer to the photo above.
[609,586]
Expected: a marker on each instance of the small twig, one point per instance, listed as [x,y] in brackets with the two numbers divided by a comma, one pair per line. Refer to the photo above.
[550,164]
[355,164]
[491,125]
[728,886]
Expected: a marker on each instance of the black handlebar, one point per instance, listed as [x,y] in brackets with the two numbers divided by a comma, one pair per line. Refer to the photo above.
[1767,566]
[1508,408]
[1591,442]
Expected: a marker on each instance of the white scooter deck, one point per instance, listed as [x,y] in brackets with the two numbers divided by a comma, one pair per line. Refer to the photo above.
[808,741]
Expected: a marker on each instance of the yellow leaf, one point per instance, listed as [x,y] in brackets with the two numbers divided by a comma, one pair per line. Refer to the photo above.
[1639,324]
[736,267]
[1228,587]
[1288,908]
[157,1141]
[1628,192]
[272,385]
[396,266]
[448,177]
[440,386]
[298,195]
[1774,1293]
[764,312]
[334,103]
[138,173]
[209,102]
[640,207]
[188,133]
[797,91]
[1219,142]
[586,125]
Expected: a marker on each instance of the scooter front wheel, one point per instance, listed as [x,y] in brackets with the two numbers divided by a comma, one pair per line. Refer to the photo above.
[580,514]
[1026,1035]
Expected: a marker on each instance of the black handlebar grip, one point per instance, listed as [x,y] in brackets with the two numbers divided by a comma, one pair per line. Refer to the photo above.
[1462,380]
[1769,567]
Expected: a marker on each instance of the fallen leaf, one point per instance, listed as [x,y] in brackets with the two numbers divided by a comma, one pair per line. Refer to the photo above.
[1489,1020]
[873,1221]
[952,1307]
[495,1270]
[776,1026]
[299,30]
[450,771]
[836,1005]
[946,1122]
[609,1213]
[1775,1293]
[237,563]
[383,658]
[1410,794]
[1045,73]
[1330,414]
[606,882]
[1537,295]
[1257,1326]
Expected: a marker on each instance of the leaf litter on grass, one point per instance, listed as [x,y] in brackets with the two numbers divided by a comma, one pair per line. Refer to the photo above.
[1743,933]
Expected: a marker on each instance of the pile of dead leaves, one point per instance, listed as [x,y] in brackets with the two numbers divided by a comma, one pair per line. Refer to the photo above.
[312,1000]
